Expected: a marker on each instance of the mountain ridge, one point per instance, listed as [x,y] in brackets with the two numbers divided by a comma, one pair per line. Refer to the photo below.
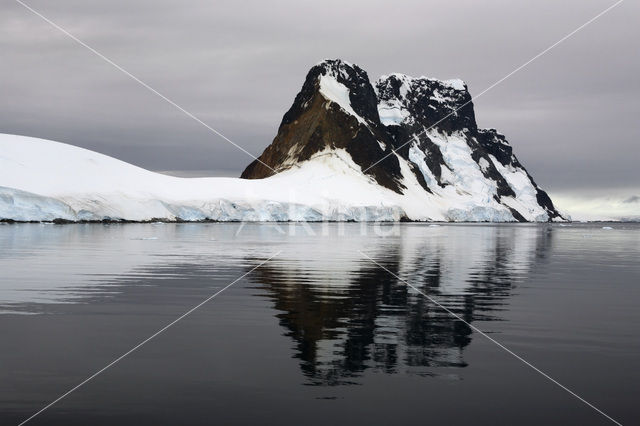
[402,148]
[316,120]
[401,117]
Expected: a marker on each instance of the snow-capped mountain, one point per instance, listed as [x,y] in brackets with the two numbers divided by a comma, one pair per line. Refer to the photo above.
[424,131]
[408,148]
[337,109]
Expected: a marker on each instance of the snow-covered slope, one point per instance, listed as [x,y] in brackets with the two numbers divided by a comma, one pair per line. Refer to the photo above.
[47,180]
[436,165]
[44,180]
[432,124]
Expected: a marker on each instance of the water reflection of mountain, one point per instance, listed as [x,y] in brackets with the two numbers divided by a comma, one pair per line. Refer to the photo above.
[357,316]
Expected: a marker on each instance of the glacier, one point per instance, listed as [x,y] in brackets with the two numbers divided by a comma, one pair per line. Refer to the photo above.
[43,180]
[407,149]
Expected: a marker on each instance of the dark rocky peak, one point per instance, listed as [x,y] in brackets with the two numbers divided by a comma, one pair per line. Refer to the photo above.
[444,104]
[496,144]
[336,108]
[346,84]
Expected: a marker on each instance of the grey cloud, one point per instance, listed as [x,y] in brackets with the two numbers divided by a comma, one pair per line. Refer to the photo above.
[571,115]
[632,199]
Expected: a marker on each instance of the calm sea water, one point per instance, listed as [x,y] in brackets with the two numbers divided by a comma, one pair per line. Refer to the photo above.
[319,334]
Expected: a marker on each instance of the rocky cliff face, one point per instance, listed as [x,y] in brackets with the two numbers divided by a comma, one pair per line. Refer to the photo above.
[336,108]
[404,125]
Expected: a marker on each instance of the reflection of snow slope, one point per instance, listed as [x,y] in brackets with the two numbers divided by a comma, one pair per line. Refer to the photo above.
[79,261]
[355,313]
[325,257]
[464,254]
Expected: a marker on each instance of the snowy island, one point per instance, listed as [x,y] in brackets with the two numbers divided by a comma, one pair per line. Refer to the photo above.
[402,149]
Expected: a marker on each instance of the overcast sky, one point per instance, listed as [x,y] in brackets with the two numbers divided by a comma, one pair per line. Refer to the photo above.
[571,116]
